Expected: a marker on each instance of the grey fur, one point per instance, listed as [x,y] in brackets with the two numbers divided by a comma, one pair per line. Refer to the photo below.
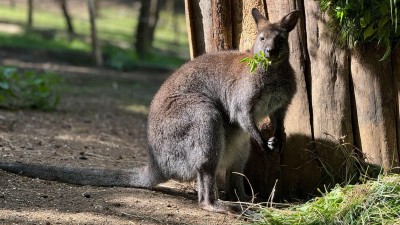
[201,119]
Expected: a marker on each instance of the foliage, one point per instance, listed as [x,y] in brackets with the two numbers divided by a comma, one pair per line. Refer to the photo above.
[258,58]
[28,89]
[374,202]
[366,21]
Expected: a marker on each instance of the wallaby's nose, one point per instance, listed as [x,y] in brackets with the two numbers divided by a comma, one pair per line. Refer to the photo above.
[270,52]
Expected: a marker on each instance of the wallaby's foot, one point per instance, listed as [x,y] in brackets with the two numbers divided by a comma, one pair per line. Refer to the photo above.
[221,207]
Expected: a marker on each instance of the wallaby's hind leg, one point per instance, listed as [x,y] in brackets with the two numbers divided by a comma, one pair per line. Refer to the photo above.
[207,193]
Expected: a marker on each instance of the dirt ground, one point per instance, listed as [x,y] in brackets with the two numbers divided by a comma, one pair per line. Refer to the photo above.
[100,122]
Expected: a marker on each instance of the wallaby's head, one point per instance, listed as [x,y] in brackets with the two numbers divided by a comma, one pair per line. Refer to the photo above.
[272,38]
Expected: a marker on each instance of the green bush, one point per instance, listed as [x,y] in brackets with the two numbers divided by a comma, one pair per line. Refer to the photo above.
[365,21]
[28,89]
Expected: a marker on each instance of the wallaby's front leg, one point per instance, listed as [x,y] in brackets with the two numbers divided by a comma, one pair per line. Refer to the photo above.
[246,121]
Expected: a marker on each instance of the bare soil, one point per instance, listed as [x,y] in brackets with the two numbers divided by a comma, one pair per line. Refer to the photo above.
[100,122]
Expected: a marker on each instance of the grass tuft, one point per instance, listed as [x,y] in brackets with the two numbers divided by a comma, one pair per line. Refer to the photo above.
[373,202]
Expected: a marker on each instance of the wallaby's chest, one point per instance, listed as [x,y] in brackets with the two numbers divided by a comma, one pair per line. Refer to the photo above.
[273,97]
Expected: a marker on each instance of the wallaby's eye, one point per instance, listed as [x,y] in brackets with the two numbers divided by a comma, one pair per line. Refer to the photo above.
[262,38]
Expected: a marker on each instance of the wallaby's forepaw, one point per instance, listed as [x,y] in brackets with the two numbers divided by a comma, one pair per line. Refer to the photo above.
[273,143]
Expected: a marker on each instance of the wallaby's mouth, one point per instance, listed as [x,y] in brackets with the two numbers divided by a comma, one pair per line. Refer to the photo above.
[276,59]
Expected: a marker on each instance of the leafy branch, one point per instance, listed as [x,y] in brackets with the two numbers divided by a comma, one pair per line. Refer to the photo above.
[366,21]
[258,58]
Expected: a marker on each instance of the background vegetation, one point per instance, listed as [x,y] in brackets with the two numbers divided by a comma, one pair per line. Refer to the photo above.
[366,21]
[116,31]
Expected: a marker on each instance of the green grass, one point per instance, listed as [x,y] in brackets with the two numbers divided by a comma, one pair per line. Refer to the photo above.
[373,202]
[115,26]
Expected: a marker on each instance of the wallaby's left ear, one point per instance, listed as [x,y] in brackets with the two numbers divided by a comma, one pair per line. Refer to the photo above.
[259,18]
[289,21]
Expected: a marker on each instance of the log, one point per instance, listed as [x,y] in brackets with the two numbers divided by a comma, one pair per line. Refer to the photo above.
[375,104]
[331,107]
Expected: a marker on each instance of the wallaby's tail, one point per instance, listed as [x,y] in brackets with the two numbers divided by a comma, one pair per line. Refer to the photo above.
[137,177]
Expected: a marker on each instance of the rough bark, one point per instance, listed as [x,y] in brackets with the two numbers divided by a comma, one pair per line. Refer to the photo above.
[375,104]
[210,25]
[330,69]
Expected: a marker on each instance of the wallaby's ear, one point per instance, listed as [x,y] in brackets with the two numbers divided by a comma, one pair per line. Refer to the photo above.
[259,18]
[289,21]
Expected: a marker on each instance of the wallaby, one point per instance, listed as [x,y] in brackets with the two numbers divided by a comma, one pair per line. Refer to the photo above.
[201,119]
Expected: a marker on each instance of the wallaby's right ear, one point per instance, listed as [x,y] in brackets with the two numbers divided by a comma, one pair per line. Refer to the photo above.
[259,18]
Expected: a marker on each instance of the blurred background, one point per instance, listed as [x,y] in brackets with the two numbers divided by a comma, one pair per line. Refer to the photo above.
[128,33]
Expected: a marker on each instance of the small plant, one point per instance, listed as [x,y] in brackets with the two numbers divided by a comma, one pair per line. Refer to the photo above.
[28,89]
[258,58]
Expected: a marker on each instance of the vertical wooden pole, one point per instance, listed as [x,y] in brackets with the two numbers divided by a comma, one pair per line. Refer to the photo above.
[209,25]
[375,103]
[96,50]
[331,107]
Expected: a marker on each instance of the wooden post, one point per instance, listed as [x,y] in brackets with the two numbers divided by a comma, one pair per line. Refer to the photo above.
[331,107]
[96,50]
[210,26]
[375,104]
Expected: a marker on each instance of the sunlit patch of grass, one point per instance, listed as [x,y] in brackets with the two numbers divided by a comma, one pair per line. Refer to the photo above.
[373,202]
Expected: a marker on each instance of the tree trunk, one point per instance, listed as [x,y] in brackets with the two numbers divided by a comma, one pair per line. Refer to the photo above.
[96,50]
[64,8]
[30,14]
[375,105]
[331,107]
[148,18]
